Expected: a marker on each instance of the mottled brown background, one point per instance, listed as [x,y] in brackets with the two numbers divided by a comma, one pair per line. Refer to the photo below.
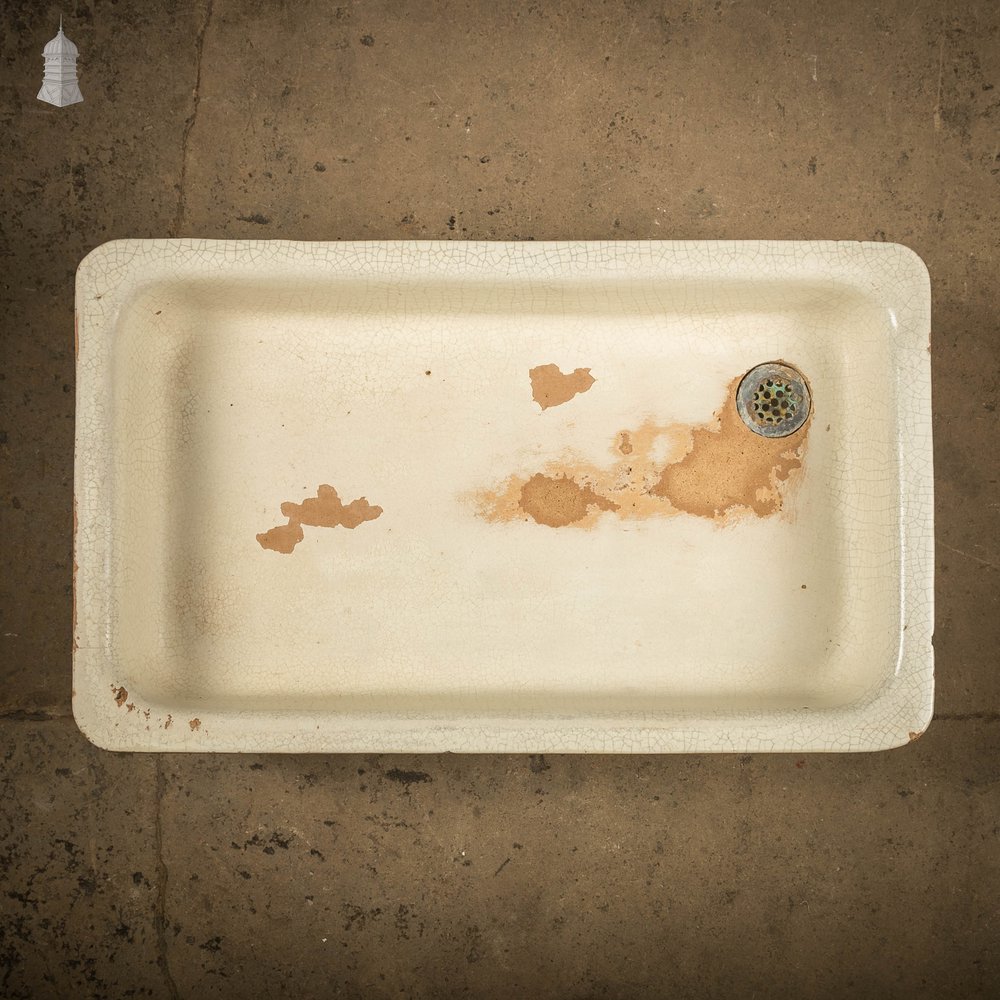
[571,877]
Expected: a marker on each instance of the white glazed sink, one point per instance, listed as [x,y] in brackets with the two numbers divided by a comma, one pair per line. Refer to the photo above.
[537,519]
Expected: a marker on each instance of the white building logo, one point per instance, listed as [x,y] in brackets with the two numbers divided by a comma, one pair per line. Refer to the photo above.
[59,86]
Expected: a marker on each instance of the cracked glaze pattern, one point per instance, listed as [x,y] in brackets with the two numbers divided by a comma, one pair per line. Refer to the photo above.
[217,377]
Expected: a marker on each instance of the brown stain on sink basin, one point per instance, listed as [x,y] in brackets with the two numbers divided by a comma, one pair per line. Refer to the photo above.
[620,487]
[550,387]
[558,500]
[718,470]
[282,537]
[728,467]
[325,510]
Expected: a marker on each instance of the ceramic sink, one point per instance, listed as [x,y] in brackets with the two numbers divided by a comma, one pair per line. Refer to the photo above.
[451,496]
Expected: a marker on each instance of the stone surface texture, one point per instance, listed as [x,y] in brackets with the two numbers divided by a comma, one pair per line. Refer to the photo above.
[425,876]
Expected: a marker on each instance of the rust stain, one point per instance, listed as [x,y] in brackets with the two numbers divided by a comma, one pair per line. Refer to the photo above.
[558,500]
[195,725]
[728,466]
[325,510]
[169,722]
[130,706]
[718,470]
[121,695]
[626,481]
[282,538]
[550,387]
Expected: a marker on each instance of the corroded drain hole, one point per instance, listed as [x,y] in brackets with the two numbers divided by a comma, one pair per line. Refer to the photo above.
[773,400]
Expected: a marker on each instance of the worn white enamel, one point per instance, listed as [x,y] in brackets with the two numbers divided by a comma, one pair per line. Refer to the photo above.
[216,380]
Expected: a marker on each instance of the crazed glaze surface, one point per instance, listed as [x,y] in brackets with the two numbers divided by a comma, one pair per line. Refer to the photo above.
[663,582]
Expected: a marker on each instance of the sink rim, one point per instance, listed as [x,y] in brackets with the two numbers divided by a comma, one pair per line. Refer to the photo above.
[895,714]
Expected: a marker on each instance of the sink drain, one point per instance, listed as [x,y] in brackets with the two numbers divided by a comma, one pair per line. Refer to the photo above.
[773,400]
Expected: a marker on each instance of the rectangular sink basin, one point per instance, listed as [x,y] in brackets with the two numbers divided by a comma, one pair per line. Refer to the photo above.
[453,496]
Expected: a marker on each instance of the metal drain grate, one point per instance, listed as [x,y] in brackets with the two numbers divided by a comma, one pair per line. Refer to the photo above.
[773,400]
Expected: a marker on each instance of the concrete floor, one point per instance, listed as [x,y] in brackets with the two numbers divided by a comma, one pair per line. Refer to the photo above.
[571,877]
